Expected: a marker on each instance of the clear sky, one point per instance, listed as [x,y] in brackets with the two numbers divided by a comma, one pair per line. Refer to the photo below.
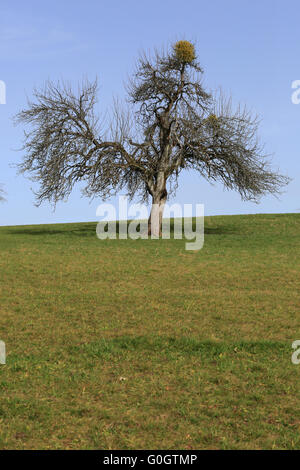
[251,48]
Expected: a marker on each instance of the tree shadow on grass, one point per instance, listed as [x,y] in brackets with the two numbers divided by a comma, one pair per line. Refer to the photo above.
[157,344]
[89,230]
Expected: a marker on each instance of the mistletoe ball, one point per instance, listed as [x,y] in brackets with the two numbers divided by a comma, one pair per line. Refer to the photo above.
[184,51]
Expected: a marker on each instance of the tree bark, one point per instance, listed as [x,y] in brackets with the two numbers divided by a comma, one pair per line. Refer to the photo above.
[156,214]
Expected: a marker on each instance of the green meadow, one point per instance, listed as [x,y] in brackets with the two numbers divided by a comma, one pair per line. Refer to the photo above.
[140,344]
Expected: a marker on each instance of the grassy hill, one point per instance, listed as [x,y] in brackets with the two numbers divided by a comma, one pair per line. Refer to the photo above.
[123,344]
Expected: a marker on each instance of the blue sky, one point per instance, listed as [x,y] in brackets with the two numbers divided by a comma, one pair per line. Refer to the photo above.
[249,48]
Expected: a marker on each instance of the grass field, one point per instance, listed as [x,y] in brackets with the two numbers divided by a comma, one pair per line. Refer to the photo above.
[124,344]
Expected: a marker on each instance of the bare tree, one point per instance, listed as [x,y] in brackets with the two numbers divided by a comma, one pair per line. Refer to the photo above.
[171,123]
[2,198]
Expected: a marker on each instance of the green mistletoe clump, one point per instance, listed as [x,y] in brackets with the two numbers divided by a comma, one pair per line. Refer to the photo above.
[184,51]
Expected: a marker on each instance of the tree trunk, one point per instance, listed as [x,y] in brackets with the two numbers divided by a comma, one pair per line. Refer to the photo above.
[156,215]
